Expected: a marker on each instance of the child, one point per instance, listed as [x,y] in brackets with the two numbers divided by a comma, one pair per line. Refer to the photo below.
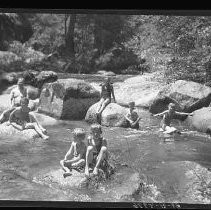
[106,92]
[75,156]
[97,149]
[170,114]
[21,118]
[132,117]
[15,97]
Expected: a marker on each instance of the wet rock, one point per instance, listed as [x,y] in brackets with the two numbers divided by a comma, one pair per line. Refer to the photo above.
[184,93]
[67,98]
[55,179]
[4,102]
[113,115]
[201,119]
[9,130]
[140,89]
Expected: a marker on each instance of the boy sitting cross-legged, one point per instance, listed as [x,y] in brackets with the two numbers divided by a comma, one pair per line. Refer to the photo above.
[75,156]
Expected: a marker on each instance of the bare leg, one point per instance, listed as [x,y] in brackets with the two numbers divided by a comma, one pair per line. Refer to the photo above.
[37,129]
[67,170]
[101,156]
[33,119]
[4,115]
[104,104]
[89,158]
[100,104]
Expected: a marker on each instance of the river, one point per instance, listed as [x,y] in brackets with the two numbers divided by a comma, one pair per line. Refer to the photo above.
[159,161]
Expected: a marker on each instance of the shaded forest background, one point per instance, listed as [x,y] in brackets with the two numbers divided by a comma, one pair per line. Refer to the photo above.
[123,44]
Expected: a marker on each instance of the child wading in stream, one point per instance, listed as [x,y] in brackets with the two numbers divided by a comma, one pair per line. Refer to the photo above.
[97,154]
[21,118]
[132,117]
[106,91]
[169,115]
[75,157]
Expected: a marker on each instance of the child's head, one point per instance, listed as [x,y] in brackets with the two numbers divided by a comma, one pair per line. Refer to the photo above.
[20,82]
[108,79]
[132,105]
[171,107]
[24,102]
[96,130]
[79,134]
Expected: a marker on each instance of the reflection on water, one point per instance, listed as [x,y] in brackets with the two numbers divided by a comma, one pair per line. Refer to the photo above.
[146,152]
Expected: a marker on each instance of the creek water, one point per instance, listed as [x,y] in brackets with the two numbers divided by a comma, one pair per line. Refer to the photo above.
[143,151]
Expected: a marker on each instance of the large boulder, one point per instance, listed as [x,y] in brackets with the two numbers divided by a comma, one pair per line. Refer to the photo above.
[67,98]
[183,93]
[140,89]
[113,115]
[201,119]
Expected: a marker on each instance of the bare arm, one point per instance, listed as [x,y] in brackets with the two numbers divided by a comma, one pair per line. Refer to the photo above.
[69,153]
[160,114]
[112,92]
[15,125]
[11,97]
[128,118]
[184,113]
[137,120]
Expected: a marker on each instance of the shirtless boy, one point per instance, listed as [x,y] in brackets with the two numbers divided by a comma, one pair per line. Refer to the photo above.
[15,97]
[169,115]
[21,118]
[132,117]
[96,151]
[106,92]
[75,157]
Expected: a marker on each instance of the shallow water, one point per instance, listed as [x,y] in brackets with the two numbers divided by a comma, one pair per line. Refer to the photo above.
[146,152]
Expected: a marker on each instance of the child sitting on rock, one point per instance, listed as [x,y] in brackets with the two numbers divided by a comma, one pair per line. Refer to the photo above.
[132,117]
[21,118]
[107,91]
[75,156]
[97,154]
[169,115]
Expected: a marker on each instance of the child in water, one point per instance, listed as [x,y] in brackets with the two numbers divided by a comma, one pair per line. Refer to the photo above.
[96,151]
[21,118]
[75,156]
[132,117]
[106,91]
[169,115]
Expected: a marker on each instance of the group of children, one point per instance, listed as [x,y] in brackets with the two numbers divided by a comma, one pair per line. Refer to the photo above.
[20,115]
[92,154]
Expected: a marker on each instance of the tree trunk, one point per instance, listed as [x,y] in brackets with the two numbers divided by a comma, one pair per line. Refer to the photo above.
[69,39]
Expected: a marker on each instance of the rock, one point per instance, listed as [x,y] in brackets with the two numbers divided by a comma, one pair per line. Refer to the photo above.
[33,93]
[113,115]
[29,77]
[45,77]
[185,93]
[67,98]
[201,119]
[9,130]
[106,73]
[141,89]
[55,178]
